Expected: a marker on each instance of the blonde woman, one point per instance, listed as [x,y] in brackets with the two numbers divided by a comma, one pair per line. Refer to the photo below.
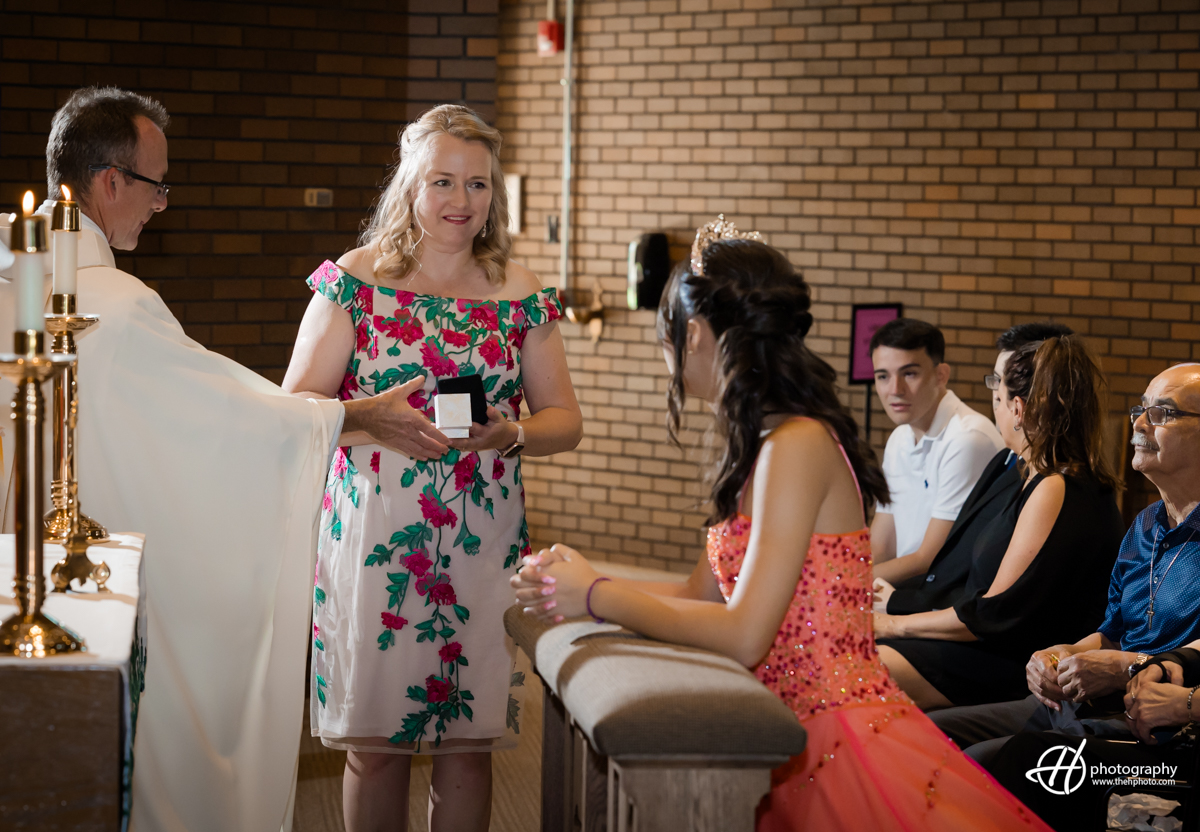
[418,539]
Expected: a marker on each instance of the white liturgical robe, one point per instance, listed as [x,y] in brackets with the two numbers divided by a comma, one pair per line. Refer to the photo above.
[224,474]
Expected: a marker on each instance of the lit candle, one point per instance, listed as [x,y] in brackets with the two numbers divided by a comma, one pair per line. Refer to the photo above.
[27,241]
[64,227]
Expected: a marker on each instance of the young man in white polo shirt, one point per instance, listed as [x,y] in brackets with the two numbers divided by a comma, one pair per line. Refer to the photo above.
[934,456]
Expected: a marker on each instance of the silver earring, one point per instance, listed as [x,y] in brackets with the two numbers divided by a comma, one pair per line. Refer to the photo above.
[483,233]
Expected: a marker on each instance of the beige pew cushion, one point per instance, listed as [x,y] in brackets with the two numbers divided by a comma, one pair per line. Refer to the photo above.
[637,698]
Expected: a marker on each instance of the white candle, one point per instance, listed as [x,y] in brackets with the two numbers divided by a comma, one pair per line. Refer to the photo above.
[28,270]
[66,243]
[28,278]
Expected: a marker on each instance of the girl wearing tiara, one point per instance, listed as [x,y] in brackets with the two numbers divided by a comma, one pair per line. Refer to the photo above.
[786,584]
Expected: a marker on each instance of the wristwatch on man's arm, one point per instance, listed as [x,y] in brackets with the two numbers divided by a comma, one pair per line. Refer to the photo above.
[1136,665]
[516,447]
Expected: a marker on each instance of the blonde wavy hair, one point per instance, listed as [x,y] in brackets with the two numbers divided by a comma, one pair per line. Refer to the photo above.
[393,235]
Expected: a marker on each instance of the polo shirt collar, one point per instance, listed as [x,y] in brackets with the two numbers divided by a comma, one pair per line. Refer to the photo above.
[1190,525]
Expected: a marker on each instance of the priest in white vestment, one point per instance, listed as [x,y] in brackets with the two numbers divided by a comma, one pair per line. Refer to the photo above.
[224,473]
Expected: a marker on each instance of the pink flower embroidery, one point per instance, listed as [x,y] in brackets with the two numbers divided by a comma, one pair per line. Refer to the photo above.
[516,337]
[490,351]
[375,462]
[463,304]
[515,401]
[443,593]
[393,622]
[417,400]
[450,652]
[362,336]
[327,273]
[327,503]
[497,468]
[433,360]
[417,563]
[518,317]
[404,327]
[339,463]
[552,311]
[428,581]
[437,689]
[363,298]
[485,316]
[434,510]
[405,298]
[349,385]
[455,339]
[464,471]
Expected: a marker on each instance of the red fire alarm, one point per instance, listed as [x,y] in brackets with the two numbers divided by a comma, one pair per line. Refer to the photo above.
[550,38]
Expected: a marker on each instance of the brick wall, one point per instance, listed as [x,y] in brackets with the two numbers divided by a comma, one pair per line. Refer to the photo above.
[266,99]
[982,163]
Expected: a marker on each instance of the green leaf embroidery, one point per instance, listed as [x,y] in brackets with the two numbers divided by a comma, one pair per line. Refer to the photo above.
[386,639]
[408,478]
[319,595]
[462,612]
[513,718]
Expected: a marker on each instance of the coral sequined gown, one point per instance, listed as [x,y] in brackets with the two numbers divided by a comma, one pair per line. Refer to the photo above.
[874,761]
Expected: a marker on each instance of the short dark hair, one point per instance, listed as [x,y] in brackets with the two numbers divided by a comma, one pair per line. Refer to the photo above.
[97,126]
[1022,334]
[911,334]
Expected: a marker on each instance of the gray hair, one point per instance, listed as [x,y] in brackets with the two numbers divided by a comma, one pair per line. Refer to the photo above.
[97,126]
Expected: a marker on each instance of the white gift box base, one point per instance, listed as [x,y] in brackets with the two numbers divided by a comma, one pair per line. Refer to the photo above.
[452,414]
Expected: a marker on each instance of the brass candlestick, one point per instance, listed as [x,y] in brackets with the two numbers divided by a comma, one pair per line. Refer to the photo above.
[66,523]
[30,633]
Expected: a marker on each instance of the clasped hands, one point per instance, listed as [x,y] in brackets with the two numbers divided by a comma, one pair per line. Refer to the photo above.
[1055,676]
[552,585]
[397,425]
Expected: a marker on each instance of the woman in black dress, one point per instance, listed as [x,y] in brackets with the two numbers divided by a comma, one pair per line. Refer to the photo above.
[1040,570]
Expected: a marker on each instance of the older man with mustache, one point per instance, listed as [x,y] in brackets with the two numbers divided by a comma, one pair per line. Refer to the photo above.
[1153,606]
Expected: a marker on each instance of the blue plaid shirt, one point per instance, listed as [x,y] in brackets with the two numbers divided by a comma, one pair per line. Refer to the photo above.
[1176,600]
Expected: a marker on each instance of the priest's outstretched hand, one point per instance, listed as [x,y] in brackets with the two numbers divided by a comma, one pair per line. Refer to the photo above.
[391,421]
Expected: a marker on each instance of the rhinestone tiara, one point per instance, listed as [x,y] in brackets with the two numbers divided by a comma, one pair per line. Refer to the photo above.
[719,229]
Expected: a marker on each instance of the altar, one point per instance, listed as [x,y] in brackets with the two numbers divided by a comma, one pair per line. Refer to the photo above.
[66,747]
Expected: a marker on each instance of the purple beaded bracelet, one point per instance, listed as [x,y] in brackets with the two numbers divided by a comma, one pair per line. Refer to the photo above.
[595,617]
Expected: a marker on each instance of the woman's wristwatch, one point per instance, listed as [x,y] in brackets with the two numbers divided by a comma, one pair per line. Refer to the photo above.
[516,447]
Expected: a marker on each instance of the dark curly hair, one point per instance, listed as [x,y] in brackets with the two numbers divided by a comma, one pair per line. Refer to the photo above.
[1061,384]
[757,307]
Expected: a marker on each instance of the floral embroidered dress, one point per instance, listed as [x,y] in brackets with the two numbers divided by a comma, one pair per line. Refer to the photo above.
[409,648]
[873,760]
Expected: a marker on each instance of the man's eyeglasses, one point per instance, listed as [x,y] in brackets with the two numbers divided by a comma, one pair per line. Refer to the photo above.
[992,381]
[1157,415]
[163,188]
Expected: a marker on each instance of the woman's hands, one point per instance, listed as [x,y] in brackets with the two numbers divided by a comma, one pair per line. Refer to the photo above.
[1151,702]
[883,591]
[497,434]
[391,421]
[553,584]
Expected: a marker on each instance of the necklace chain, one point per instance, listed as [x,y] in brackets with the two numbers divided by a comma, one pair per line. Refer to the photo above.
[1153,554]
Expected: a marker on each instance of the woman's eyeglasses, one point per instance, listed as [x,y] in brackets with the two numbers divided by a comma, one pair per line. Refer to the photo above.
[163,187]
[992,381]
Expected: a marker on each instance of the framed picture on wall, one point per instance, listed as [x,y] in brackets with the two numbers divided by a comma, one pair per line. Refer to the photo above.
[865,319]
